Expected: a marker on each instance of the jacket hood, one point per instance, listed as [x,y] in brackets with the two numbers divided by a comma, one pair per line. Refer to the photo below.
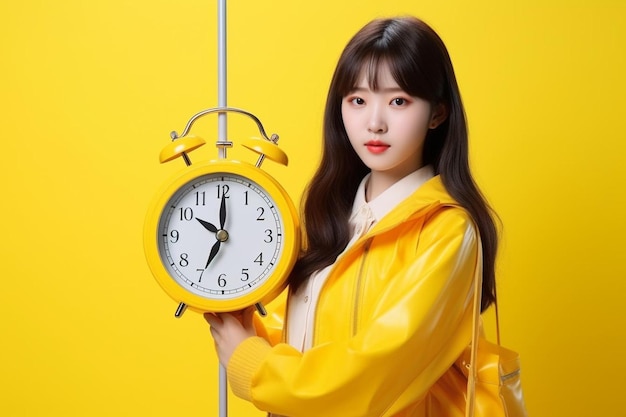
[426,199]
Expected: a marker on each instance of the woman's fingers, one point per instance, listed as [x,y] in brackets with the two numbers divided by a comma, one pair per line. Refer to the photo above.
[248,316]
[213,319]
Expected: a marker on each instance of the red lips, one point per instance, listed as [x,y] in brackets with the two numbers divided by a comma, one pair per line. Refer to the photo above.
[376,146]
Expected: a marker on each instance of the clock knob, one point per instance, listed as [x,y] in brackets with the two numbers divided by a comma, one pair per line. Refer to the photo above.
[180,147]
[267,148]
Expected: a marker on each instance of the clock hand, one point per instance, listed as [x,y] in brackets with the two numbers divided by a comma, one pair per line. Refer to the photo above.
[223,212]
[207,225]
[214,250]
[221,234]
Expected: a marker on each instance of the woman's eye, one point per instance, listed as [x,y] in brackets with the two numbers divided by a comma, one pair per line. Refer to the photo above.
[358,101]
[398,101]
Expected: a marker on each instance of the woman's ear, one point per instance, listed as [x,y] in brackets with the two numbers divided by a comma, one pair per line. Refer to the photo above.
[438,115]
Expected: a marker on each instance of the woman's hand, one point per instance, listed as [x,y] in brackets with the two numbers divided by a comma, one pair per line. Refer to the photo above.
[229,330]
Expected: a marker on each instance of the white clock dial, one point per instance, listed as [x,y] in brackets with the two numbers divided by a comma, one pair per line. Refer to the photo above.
[220,236]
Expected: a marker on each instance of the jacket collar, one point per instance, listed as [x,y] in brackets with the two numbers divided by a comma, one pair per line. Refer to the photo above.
[426,199]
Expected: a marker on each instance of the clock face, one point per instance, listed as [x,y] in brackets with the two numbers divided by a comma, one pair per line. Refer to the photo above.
[220,236]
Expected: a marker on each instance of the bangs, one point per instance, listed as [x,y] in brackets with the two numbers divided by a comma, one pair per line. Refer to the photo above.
[355,70]
[403,69]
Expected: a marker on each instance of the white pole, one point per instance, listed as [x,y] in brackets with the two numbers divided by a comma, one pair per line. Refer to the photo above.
[221,75]
[222,136]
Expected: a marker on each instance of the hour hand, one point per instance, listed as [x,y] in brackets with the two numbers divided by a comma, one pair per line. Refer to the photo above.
[207,225]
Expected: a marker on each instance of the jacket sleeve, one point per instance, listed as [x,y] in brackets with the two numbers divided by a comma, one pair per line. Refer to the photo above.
[416,330]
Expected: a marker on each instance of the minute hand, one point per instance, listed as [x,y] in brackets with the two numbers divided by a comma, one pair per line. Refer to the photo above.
[214,250]
[223,212]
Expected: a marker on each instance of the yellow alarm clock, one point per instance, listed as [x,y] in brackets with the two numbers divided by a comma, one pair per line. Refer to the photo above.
[222,235]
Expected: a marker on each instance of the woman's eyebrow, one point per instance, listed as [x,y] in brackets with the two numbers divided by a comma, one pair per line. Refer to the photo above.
[361,89]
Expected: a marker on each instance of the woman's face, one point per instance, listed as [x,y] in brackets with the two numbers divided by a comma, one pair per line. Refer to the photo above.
[387,127]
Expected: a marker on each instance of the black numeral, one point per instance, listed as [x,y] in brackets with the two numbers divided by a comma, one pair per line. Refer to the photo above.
[259,259]
[200,198]
[245,275]
[221,280]
[201,272]
[222,189]
[268,236]
[261,211]
[186,213]
[184,261]
[174,236]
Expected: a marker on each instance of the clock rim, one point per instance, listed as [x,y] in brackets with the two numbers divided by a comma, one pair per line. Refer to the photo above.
[264,292]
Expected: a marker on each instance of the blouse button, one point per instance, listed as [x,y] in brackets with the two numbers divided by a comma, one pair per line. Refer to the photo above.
[306,298]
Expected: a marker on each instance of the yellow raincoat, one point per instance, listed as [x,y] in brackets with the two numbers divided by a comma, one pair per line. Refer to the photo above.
[393,316]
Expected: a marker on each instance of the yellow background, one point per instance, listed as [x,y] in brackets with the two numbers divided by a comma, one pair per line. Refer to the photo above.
[91,89]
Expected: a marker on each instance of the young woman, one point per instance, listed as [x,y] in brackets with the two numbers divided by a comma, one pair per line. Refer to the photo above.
[380,301]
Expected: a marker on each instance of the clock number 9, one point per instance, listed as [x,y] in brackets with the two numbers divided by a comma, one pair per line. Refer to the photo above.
[174,236]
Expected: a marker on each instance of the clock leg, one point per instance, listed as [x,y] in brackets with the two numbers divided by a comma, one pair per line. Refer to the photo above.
[180,310]
[261,309]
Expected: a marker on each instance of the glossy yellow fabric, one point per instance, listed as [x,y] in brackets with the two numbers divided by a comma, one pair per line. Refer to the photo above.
[498,385]
[393,316]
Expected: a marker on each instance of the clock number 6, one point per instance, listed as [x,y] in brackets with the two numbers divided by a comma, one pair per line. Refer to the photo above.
[221,281]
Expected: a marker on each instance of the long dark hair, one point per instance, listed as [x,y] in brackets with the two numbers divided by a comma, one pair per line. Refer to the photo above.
[420,64]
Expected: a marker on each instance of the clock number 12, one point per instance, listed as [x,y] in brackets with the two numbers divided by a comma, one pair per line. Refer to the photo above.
[223,189]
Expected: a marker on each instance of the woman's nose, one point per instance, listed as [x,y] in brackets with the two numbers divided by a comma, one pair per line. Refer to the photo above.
[376,123]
